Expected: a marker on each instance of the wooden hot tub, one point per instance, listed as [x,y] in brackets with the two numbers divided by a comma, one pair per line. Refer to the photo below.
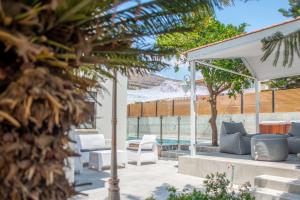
[274,127]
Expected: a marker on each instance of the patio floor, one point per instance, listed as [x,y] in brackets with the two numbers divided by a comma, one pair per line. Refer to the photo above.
[137,182]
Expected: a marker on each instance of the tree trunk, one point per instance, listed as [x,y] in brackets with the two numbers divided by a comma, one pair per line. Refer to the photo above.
[213,118]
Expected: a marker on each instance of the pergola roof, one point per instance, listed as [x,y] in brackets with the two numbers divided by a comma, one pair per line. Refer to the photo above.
[248,47]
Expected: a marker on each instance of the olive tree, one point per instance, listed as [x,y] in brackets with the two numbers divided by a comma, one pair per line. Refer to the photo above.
[217,81]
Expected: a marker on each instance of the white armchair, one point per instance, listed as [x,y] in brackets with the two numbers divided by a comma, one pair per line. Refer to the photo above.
[85,143]
[144,150]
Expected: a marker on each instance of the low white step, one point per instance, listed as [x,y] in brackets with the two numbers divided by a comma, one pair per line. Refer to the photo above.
[269,194]
[278,183]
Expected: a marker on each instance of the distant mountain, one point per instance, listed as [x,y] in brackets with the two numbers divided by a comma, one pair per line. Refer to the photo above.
[153,87]
[137,82]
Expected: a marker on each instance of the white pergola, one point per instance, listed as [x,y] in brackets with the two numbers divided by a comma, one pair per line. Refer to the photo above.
[246,47]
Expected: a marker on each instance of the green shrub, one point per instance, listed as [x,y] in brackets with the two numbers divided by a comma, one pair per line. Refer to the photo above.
[216,188]
[194,195]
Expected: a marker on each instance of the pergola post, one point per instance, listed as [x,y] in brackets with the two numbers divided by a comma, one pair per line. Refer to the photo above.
[113,189]
[193,109]
[257,104]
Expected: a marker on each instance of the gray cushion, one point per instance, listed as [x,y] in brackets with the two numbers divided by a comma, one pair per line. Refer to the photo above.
[270,136]
[294,145]
[295,129]
[230,143]
[234,139]
[234,127]
[235,143]
[246,142]
[269,147]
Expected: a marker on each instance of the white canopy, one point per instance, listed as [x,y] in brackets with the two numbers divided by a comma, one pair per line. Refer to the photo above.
[248,48]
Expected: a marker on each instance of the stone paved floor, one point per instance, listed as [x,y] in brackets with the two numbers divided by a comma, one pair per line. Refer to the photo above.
[137,182]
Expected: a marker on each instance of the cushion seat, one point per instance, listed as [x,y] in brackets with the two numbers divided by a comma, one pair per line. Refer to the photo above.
[294,129]
[135,147]
[95,149]
[234,139]
[294,145]
[269,147]
[294,139]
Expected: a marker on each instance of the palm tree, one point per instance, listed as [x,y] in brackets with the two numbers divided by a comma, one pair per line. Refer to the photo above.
[290,42]
[52,52]
[293,11]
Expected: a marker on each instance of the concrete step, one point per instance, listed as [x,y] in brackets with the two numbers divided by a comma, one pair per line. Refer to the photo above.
[269,194]
[278,183]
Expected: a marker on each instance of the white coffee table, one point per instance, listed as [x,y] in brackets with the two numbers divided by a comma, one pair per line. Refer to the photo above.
[100,159]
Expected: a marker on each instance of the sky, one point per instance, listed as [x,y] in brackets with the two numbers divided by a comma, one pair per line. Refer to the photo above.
[256,13]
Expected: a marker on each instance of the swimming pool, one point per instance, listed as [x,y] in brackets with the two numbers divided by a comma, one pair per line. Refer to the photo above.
[166,141]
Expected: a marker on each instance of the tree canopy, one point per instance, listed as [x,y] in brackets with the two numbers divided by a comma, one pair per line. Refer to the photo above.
[205,32]
[293,11]
[217,81]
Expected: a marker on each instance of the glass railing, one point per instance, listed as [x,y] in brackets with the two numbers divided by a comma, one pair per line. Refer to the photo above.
[169,130]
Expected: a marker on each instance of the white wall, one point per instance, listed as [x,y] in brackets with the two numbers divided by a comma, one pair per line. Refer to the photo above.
[104,112]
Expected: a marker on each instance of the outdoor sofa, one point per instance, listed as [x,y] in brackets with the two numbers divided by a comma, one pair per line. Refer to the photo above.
[234,139]
[86,143]
[294,138]
[91,142]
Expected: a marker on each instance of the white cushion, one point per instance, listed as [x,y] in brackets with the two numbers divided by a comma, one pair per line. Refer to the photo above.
[134,144]
[91,141]
[148,138]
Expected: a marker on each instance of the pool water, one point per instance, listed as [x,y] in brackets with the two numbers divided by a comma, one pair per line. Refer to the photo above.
[173,141]
[165,141]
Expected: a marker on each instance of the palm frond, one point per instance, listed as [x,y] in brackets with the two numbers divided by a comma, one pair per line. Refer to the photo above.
[52,53]
[285,46]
